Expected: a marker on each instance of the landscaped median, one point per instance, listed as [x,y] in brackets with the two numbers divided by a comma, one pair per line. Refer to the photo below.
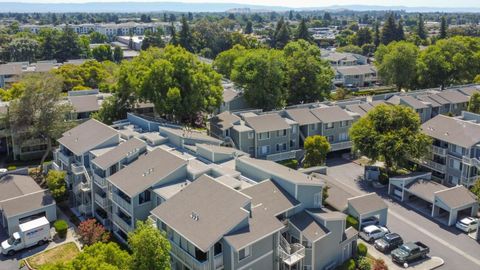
[58,254]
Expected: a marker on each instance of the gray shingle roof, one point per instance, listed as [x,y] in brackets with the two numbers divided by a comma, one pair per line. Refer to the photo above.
[87,103]
[87,136]
[302,116]
[267,122]
[452,130]
[425,189]
[331,114]
[119,152]
[224,120]
[13,185]
[355,70]
[368,203]
[146,171]
[308,226]
[11,69]
[457,197]
[218,207]
[454,96]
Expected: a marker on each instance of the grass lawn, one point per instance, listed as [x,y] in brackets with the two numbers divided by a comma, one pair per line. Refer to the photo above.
[62,253]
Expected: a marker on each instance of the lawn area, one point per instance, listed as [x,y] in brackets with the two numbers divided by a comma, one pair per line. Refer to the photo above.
[62,253]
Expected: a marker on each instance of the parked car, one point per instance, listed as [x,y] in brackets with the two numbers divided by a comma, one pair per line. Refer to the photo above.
[409,252]
[35,232]
[468,224]
[370,221]
[388,242]
[3,170]
[373,232]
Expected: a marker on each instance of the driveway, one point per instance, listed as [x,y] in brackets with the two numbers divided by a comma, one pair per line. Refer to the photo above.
[457,249]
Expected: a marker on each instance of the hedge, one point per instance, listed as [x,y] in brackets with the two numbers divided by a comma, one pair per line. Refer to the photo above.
[61,227]
[352,222]
[291,163]
[348,265]
[362,250]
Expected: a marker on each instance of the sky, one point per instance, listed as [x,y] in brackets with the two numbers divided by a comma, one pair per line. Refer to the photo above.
[298,3]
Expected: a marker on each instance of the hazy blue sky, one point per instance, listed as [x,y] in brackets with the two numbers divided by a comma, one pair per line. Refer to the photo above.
[299,3]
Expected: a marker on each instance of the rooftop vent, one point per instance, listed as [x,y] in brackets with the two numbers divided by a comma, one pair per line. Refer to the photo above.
[194,216]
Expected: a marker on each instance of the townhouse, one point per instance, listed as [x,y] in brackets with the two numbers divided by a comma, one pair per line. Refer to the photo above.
[219,208]
[455,151]
[355,76]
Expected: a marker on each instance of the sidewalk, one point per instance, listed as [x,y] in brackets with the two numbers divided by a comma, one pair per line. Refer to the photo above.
[427,264]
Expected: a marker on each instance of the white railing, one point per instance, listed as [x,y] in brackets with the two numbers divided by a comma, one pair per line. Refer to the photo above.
[187,259]
[77,168]
[469,181]
[64,158]
[340,146]
[122,223]
[297,253]
[434,165]
[471,161]
[102,201]
[122,203]
[282,156]
[55,166]
[218,261]
[100,181]
[439,150]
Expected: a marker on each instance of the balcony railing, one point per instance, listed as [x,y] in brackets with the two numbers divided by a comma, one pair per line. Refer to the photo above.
[218,261]
[100,181]
[187,259]
[433,165]
[122,202]
[126,226]
[439,150]
[340,146]
[471,161]
[296,254]
[67,160]
[469,181]
[77,168]
[283,156]
[55,166]
[101,201]
[103,220]
[85,209]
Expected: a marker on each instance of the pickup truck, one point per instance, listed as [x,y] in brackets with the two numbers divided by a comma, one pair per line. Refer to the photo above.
[409,252]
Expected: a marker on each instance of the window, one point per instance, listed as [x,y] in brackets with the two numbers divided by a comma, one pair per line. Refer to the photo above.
[250,135]
[294,129]
[313,126]
[144,197]
[344,123]
[245,253]
[343,136]
[265,149]
[217,249]
[328,125]
[284,132]
[330,138]
[284,148]
[292,143]
[264,136]
[455,164]
[251,150]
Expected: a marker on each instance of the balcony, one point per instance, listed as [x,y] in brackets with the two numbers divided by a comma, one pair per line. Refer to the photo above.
[124,224]
[85,186]
[101,201]
[218,261]
[469,181]
[77,168]
[283,156]
[439,150]
[127,206]
[187,259]
[100,181]
[471,161]
[433,165]
[85,209]
[67,160]
[292,256]
[340,146]
[102,219]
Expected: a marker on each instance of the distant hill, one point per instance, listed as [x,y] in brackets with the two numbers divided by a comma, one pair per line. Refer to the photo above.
[196,7]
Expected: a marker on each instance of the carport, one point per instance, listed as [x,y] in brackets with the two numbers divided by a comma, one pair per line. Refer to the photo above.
[368,205]
[457,201]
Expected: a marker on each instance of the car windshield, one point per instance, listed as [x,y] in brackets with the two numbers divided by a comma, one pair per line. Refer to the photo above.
[465,221]
[11,240]
[405,248]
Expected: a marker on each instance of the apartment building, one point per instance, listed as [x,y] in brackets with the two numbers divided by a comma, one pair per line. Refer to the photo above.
[337,59]
[233,98]
[355,76]
[219,207]
[455,152]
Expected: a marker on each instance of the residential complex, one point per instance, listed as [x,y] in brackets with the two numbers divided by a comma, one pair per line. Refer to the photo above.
[219,208]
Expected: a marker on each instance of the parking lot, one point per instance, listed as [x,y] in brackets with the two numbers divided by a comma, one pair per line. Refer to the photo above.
[456,248]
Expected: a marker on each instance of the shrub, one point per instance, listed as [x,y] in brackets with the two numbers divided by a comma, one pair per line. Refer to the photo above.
[361,250]
[91,232]
[383,178]
[363,264]
[348,265]
[56,184]
[61,227]
[379,264]
[352,222]
[291,163]
[11,167]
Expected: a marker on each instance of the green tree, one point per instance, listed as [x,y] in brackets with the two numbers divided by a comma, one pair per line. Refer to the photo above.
[261,73]
[282,37]
[57,185]
[376,38]
[396,63]
[474,103]
[390,133]
[117,54]
[308,77]
[102,53]
[475,189]
[302,31]
[363,36]
[173,35]
[49,39]
[249,27]
[224,61]
[316,149]
[389,30]
[96,37]
[38,113]
[421,32]
[23,49]
[350,49]
[153,39]
[68,46]
[443,28]
[400,34]
[185,38]
[150,248]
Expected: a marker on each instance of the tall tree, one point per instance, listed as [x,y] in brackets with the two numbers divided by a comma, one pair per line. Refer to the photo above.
[308,77]
[153,39]
[302,31]
[23,49]
[290,15]
[282,37]
[249,27]
[363,36]
[185,38]
[376,38]
[38,113]
[316,149]
[261,73]
[173,35]
[474,103]
[91,232]
[396,63]
[278,26]
[443,28]
[421,32]
[400,34]
[117,54]
[102,53]
[55,181]
[48,43]
[389,30]
[390,133]
[69,45]
[224,61]
[150,248]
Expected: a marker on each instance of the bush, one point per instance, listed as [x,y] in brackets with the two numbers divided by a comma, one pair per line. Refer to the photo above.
[379,264]
[352,222]
[57,185]
[291,163]
[363,264]
[383,178]
[61,227]
[92,232]
[361,250]
[348,265]
[11,167]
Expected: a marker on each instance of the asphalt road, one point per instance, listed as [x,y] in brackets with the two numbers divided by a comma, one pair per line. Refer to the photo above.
[457,249]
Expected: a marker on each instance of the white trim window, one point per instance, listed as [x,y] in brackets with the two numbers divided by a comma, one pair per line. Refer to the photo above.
[329,125]
[250,135]
[265,149]
[264,136]
[244,253]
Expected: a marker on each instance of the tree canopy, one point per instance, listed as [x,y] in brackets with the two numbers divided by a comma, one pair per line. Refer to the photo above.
[390,133]
[316,149]
[474,103]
